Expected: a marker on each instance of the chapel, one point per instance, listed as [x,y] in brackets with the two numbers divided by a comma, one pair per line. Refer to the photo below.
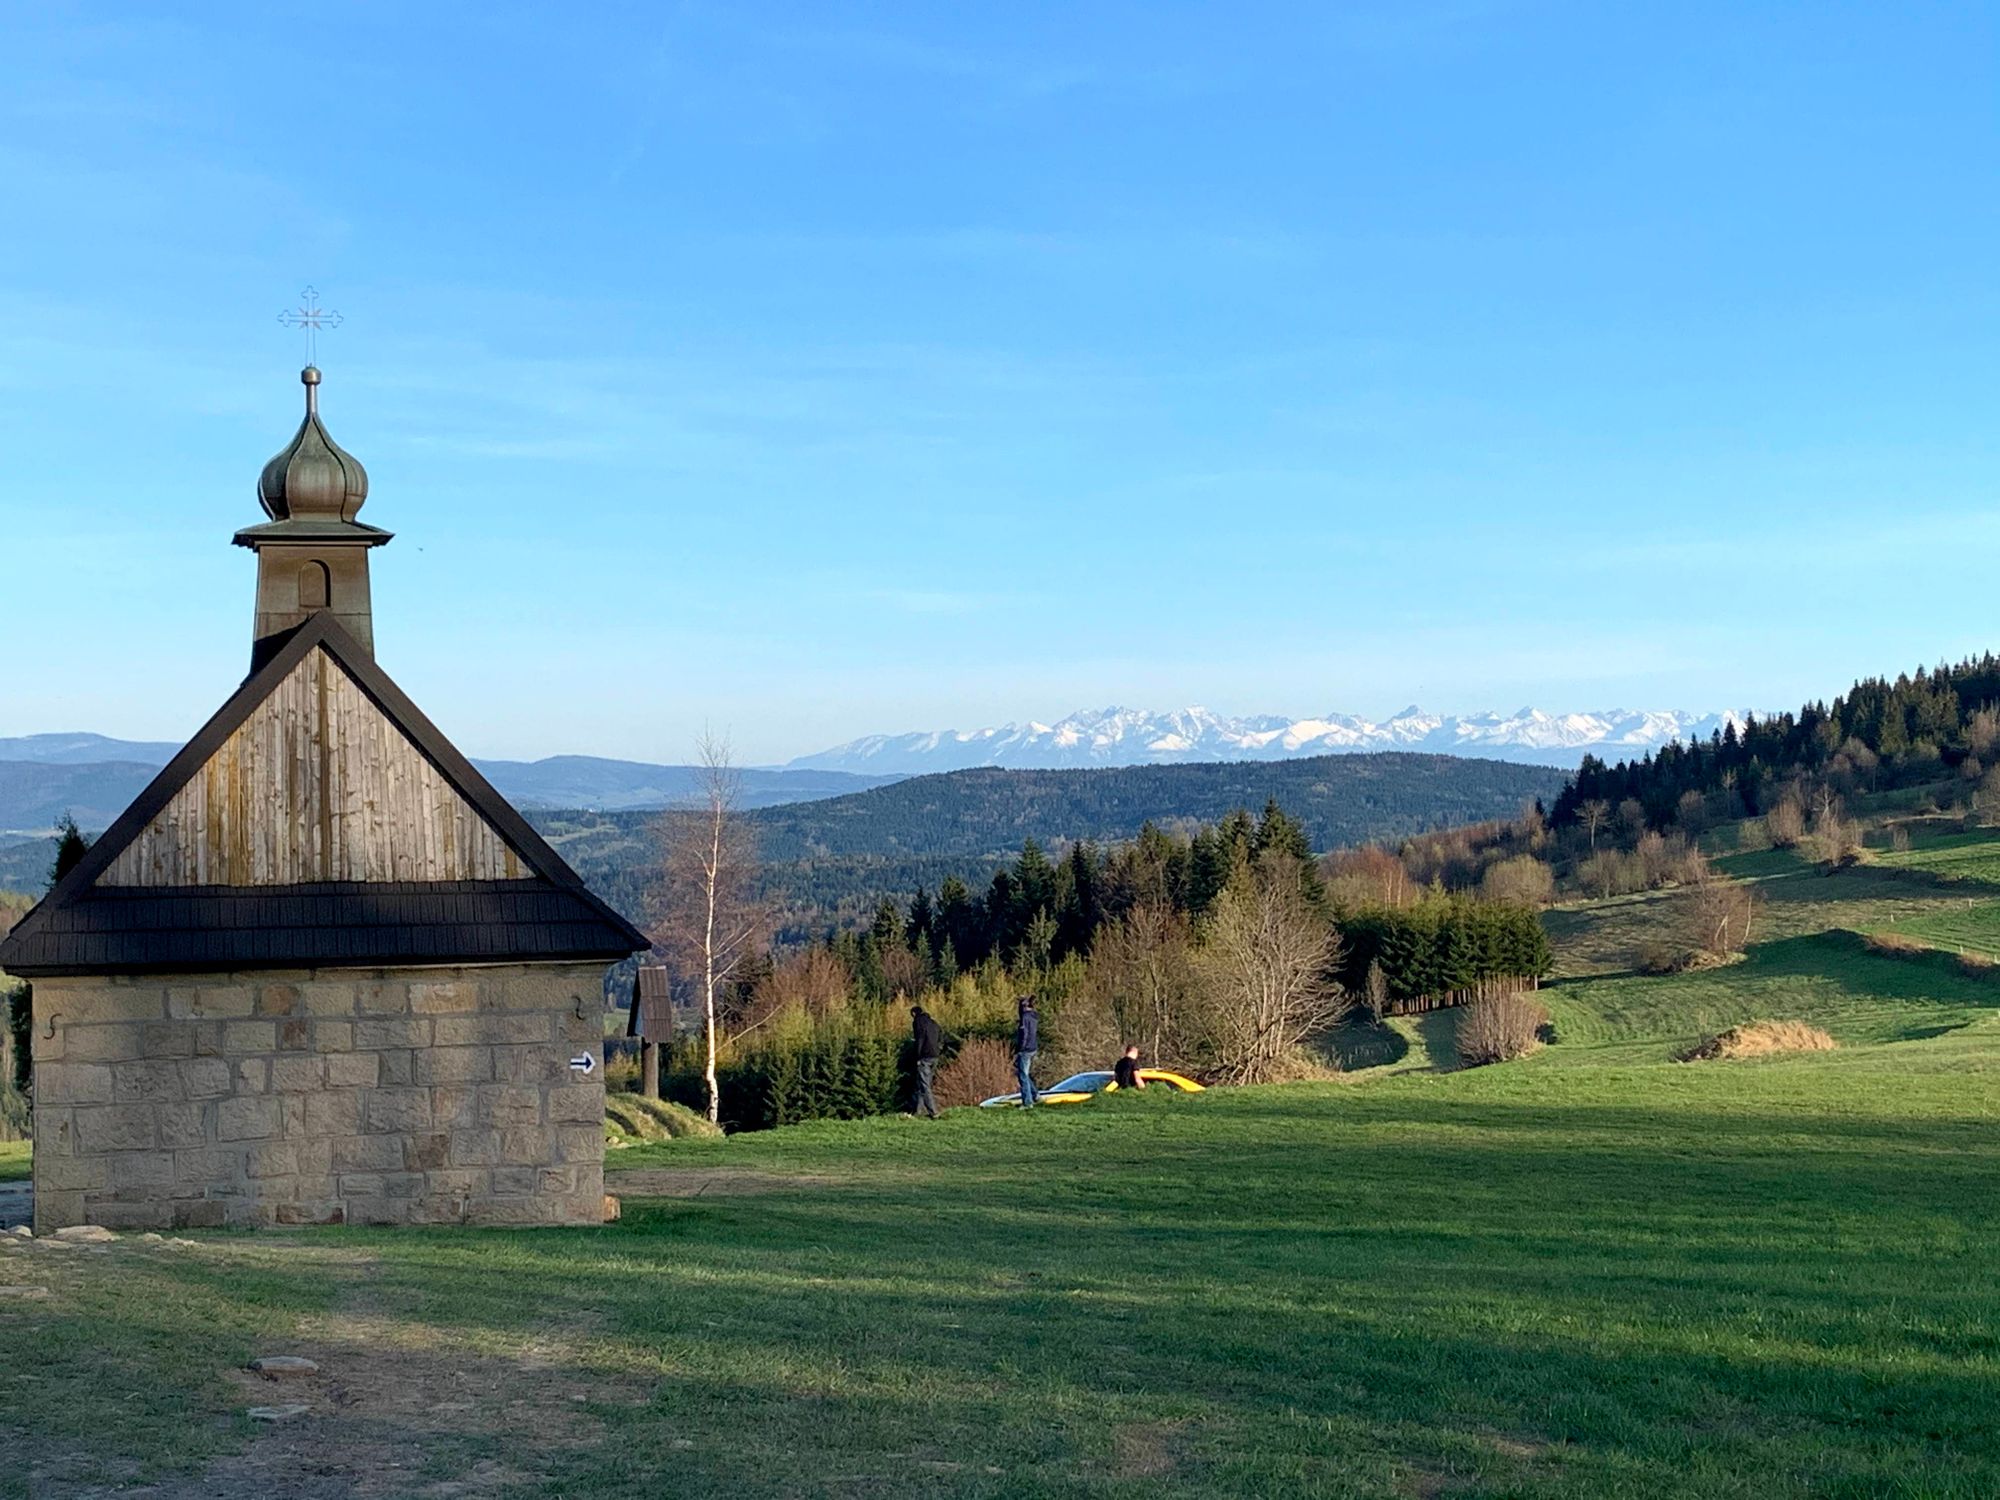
[319,971]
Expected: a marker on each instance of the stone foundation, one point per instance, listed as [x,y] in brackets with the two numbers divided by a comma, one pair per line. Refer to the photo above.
[379,1096]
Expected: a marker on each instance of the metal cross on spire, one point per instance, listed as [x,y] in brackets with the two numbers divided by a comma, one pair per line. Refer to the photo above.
[310,316]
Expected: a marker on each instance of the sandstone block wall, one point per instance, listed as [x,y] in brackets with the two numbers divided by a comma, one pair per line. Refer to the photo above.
[397,1096]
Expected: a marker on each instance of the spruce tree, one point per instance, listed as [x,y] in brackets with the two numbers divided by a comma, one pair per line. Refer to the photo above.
[71,846]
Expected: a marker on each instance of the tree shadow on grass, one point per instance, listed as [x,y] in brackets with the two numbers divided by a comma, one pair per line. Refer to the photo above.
[1844,959]
[1524,1297]
[1439,1031]
[1364,1043]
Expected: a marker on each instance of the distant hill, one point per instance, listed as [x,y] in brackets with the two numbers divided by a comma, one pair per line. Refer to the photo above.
[80,749]
[93,778]
[832,857]
[588,781]
[835,857]
[35,794]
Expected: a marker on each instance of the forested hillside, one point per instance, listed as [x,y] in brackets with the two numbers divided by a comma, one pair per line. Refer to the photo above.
[1878,733]
[831,860]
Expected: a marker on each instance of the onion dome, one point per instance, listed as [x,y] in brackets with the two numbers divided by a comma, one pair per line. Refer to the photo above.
[314,477]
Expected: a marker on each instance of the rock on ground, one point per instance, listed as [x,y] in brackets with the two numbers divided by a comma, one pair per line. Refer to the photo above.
[283,1367]
[85,1234]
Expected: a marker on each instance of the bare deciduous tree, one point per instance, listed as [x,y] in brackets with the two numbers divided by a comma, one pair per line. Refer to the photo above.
[1266,963]
[710,918]
[1986,800]
[1523,879]
[903,973]
[1499,1028]
[1719,911]
[1144,964]
[1691,812]
[813,980]
[1982,733]
[1375,991]
[1785,824]
[1632,818]
[1855,764]
[1592,815]
[1368,876]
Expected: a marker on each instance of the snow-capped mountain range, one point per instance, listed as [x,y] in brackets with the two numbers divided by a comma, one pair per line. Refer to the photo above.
[1132,737]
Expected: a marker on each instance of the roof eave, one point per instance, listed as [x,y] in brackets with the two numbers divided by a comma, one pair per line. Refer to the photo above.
[319,630]
[314,533]
[442,960]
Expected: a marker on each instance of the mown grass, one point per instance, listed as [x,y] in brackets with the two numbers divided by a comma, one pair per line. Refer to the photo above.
[15,1159]
[1795,899]
[1775,1278]
[1596,1272]
[1971,858]
[1969,929]
[1830,979]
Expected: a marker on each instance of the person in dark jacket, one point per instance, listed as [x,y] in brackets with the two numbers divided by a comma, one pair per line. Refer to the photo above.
[929,1039]
[1125,1073]
[1027,1040]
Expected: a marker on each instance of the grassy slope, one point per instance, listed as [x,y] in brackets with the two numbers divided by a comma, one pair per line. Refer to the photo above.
[1771,1279]
[1595,1272]
[1973,929]
[1966,863]
[1973,858]
[14,1159]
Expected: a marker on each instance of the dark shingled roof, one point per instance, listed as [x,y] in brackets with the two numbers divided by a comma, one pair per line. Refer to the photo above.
[127,929]
[83,928]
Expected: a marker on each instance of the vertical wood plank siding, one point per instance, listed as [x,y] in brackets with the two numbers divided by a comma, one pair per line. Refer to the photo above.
[317,784]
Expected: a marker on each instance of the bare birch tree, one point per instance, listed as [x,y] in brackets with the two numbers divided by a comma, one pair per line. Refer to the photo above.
[710,918]
[1592,815]
[1267,963]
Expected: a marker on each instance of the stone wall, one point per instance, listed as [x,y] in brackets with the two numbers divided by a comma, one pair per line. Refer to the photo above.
[380,1096]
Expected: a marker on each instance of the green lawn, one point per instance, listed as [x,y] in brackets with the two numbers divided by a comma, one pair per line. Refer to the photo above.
[1829,979]
[1595,1272]
[1795,899]
[1768,1279]
[1969,929]
[14,1160]
[1973,858]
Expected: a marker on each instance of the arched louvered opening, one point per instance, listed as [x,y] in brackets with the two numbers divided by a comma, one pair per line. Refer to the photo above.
[315,586]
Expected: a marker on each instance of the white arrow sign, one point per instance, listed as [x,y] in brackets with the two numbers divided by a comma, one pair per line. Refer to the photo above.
[584,1063]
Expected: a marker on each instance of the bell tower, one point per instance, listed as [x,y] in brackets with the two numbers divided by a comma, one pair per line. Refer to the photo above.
[312,555]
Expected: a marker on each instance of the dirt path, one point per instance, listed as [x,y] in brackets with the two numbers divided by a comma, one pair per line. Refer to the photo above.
[393,1412]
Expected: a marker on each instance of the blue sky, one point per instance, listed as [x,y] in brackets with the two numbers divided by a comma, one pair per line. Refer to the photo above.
[806,371]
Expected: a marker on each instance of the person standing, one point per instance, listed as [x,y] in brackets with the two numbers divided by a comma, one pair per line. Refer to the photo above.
[929,1039]
[1027,1039]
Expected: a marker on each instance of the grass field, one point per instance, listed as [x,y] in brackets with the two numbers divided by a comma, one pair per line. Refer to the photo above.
[1795,900]
[1973,858]
[15,1157]
[1595,1272]
[1971,929]
[1769,1279]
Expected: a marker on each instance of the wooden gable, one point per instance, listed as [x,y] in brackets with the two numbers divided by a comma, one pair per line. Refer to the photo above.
[316,784]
